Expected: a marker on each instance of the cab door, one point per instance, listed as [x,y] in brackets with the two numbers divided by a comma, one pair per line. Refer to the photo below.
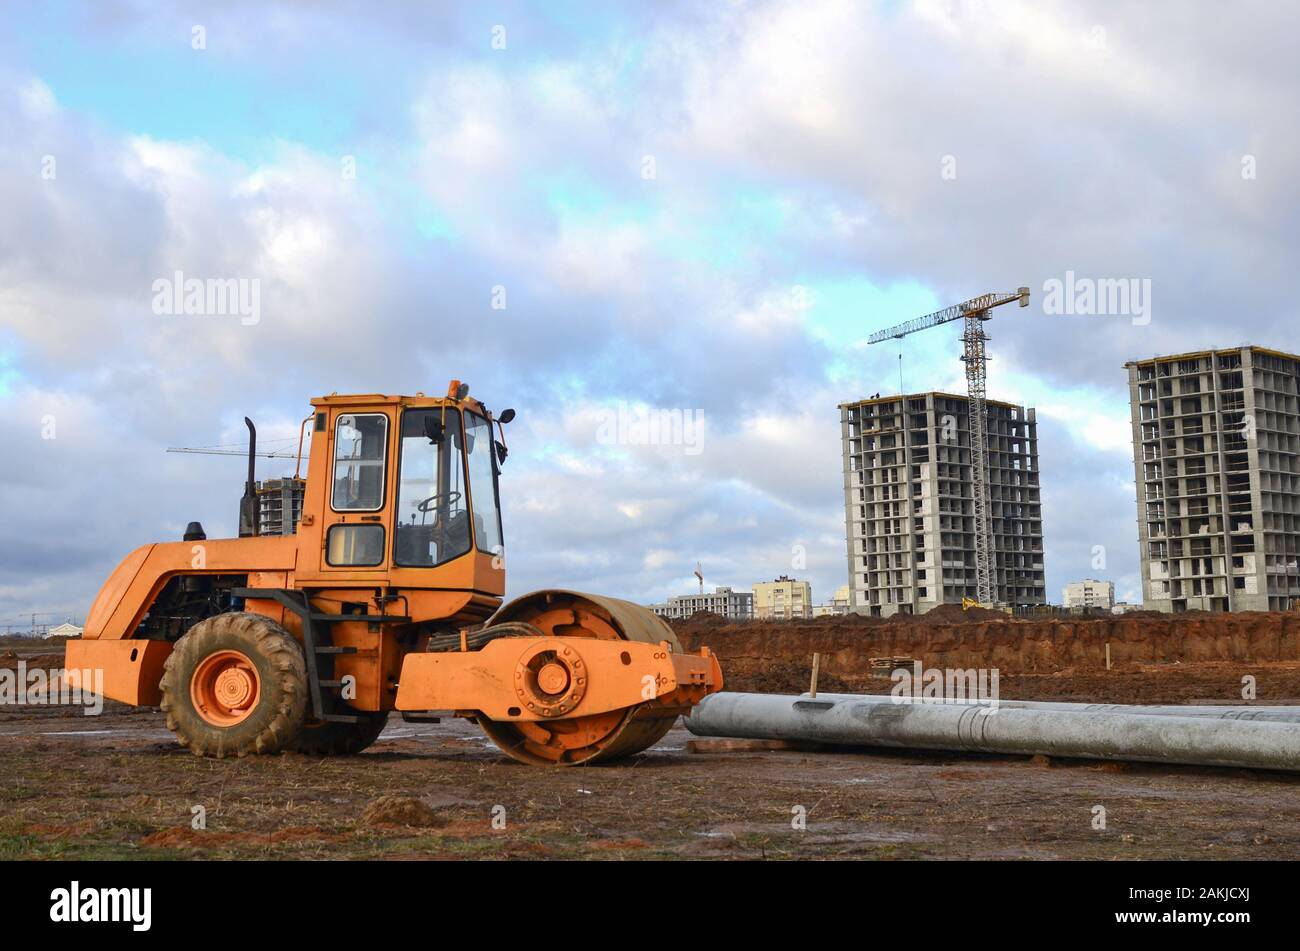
[356,523]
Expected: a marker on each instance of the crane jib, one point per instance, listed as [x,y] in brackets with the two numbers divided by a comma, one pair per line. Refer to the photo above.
[976,306]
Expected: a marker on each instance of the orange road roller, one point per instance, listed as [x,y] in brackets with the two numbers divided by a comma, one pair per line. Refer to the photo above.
[383,593]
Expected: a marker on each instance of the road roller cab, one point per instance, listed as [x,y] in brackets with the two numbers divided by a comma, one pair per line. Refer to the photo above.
[386,596]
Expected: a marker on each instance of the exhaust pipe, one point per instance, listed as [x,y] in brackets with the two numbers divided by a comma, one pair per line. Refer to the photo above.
[1197,741]
[250,514]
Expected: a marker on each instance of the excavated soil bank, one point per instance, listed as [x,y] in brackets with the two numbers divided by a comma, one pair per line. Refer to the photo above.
[775,655]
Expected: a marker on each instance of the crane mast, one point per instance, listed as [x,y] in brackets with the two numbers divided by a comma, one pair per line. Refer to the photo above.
[973,312]
[973,339]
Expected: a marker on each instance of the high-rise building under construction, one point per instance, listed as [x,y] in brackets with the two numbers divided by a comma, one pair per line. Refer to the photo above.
[1216,451]
[280,505]
[909,508]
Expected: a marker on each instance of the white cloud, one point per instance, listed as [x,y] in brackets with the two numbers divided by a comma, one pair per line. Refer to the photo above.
[659,558]
[1105,433]
[37,99]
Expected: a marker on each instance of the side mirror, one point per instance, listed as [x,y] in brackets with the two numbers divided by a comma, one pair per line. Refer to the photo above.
[433,428]
[506,416]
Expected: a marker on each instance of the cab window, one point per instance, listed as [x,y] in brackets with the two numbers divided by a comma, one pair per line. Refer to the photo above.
[360,449]
[355,546]
[483,483]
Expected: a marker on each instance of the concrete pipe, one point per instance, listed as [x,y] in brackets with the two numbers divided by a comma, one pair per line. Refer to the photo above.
[1200,741]
[1275,714]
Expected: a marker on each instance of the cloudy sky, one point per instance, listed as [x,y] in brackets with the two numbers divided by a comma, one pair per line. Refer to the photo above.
[695,206]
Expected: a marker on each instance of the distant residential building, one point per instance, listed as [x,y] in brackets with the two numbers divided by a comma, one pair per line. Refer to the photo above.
[841,599]
[1123,607]
[839,604]
[1090,593]
[782,599]
[280,505]
[734,605]
[63,630]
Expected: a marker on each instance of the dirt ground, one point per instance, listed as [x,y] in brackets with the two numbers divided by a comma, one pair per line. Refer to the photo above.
[118,786]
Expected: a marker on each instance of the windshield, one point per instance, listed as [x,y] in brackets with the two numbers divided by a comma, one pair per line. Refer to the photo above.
[432,504]
[482,477]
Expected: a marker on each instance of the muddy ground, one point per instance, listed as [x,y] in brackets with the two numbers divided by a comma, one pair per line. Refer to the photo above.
[117,786]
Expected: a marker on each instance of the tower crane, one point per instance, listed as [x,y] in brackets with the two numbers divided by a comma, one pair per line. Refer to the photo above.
[974,312]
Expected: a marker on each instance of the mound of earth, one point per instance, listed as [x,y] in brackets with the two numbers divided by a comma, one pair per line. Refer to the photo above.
[391,810]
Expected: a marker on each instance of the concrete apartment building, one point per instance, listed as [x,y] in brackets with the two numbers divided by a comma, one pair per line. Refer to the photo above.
[736,605]
[1089,593]
[1216,451]
[280,505]
[782,599]
[909,510]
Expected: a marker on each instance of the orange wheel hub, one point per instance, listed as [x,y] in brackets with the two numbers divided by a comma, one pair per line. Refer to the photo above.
[553,678]
[225,688]
[550,678]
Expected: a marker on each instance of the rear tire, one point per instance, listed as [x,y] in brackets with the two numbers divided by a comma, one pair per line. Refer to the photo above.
[340,739]
[235,684]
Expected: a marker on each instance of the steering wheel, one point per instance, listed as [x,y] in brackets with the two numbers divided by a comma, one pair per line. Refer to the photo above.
[432,501]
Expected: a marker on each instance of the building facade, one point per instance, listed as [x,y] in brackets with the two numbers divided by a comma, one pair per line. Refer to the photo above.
[839,604]
[840,599]
[280,505]
[1216,452]
[735,605]
[66,629]
[1089,593]
[909,507]
[782,600]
